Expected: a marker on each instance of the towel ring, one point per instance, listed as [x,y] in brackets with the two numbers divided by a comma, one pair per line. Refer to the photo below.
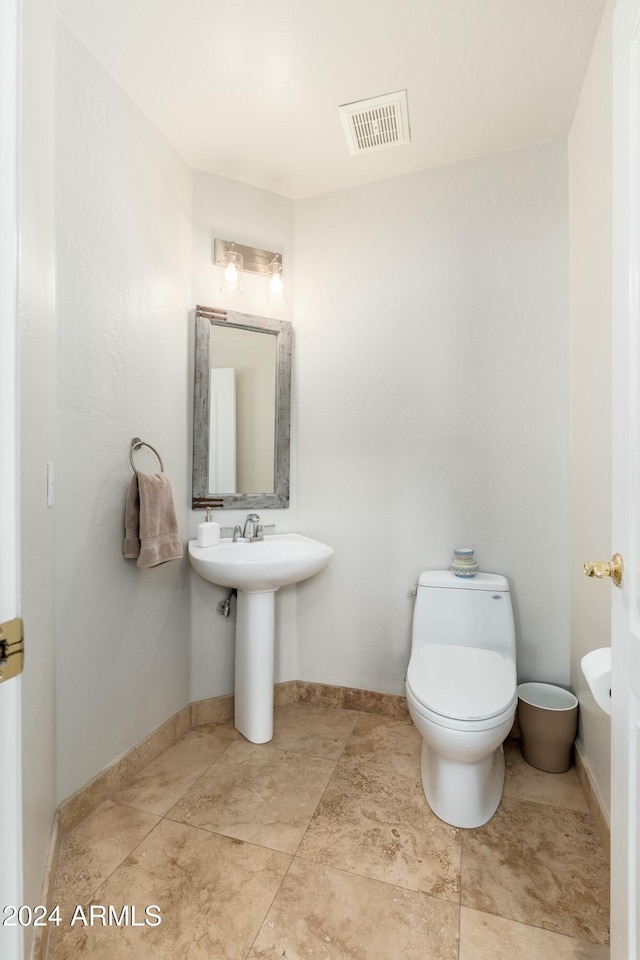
[136,443]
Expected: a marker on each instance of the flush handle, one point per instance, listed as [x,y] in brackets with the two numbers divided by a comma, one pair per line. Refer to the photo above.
[613,569]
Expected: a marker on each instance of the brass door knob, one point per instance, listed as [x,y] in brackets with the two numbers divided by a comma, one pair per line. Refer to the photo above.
[613,569]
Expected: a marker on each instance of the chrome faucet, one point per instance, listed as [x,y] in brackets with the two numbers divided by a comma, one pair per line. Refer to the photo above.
[252,529]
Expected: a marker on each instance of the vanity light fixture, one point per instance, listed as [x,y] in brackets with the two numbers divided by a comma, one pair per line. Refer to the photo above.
[233,257]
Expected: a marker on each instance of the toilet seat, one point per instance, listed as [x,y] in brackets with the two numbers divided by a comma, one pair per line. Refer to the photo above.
[462,684]
[465,726]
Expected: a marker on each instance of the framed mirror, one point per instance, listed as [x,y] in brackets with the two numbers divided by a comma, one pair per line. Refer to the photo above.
[242,410]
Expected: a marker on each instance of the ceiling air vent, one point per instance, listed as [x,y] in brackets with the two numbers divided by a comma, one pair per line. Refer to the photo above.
[377,123]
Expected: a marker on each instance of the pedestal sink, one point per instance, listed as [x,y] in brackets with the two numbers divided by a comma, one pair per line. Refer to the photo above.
[257,570]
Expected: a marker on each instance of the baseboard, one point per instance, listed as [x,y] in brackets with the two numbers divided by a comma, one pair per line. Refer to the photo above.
[214,710]
[219,709]
[353,698]
[594,800]
[41,939]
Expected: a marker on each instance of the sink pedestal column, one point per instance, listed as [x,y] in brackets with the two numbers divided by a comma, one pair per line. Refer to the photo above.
[255,645]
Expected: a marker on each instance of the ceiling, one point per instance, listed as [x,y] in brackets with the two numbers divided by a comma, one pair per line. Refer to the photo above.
[251,90]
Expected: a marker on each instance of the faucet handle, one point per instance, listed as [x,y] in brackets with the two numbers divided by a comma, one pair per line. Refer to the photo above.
[237,533]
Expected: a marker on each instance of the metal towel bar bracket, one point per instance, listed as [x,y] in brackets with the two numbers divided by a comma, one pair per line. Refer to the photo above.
[136,443]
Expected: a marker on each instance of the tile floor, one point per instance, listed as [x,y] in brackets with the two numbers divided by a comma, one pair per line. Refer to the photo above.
[320,846]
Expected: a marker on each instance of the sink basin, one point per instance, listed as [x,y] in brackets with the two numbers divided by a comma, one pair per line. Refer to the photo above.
[263,565]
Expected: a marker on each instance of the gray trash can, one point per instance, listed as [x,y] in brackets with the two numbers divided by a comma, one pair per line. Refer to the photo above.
[548,719]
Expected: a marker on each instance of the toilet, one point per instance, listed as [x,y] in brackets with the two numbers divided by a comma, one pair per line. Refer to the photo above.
[461,691]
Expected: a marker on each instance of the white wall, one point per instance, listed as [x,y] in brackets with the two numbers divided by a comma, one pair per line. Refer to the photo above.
[37,438]
[123,237]
[590,239]
[234,211]
[431,381]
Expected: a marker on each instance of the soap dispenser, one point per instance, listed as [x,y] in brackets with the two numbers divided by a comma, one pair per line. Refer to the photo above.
[208,532]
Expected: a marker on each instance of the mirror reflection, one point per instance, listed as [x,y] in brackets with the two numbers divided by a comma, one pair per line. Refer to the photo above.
[241,410]
[242,406]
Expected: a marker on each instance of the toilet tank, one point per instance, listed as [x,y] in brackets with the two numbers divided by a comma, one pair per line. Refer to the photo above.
[468,612]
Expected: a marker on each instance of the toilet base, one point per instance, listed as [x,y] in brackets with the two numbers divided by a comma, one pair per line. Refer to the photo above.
[462,794]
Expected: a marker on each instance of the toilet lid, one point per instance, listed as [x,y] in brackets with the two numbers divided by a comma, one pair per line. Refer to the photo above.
[461,682]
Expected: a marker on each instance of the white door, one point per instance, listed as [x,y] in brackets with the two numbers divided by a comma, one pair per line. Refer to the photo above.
[625,681]
[11,944]
[222,430]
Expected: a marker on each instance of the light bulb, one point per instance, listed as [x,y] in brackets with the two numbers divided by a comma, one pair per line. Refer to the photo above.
[275,284]
[231,273]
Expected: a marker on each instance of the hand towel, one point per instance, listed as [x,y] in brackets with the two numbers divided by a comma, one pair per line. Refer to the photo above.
[151,526]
